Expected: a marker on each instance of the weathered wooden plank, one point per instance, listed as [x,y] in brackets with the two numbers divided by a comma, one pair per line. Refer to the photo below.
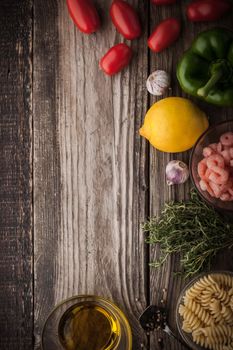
[16,299]
[164,286]
[47,180]
[90,166]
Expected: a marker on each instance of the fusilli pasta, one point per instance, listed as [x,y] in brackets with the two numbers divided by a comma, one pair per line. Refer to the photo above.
[207,311]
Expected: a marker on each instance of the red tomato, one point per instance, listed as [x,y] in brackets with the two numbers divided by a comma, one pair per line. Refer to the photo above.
[125,19]
[84,15]
[207,10]
[116,59]
[163,2]
[164,34]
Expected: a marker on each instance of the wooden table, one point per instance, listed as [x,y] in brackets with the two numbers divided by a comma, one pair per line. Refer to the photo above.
[76,179]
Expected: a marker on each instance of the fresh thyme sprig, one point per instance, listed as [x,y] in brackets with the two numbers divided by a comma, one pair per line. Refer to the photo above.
[192,228]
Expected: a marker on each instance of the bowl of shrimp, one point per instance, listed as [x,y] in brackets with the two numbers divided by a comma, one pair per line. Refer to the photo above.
[211,166]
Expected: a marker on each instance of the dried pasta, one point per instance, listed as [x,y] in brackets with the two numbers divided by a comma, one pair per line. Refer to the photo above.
[207,311]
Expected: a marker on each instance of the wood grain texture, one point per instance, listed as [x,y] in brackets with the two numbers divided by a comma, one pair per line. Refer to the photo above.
[16,299]
[90,172]
[46,171]
[164,286]
[91,180]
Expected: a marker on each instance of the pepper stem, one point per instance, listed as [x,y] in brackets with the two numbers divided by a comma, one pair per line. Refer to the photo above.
[216,76]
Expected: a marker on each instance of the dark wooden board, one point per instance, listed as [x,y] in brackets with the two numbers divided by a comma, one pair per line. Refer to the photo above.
[90,168]
[16,290]
[164,286]
[46,170]
[94,179]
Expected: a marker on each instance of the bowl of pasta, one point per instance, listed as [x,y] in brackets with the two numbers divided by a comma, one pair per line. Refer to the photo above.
[204,311]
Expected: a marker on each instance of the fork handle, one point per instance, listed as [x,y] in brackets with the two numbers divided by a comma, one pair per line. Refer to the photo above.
[167,330]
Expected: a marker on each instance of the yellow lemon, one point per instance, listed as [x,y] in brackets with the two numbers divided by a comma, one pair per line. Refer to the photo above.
[173,124]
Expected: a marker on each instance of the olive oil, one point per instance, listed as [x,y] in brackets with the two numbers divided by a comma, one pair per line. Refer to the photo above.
[88,326]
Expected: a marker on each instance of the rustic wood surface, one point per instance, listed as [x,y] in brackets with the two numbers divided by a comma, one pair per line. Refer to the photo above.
[164,286]
[89,167]
[78,172]
[16,249]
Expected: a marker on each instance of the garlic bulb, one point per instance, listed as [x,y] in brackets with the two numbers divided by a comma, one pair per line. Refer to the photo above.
[158,82]
[176,172]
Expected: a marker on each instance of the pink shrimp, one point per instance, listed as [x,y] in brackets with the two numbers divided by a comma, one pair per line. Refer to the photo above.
[227,139]
[207,174]
[202,167]
[219,147]
[216,189]
[219,175]
[216,168]
[207,151]
[226,197]
[226,155]
[225,187]
[202,170]
[214,147]
[205,187]
[215,160]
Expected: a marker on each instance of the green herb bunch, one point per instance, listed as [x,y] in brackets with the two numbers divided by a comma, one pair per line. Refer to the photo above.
[191,228]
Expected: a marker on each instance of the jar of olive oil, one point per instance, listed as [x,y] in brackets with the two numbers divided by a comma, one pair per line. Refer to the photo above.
[86,323]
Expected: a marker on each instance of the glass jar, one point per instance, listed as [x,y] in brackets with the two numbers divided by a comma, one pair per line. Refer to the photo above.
[86,322]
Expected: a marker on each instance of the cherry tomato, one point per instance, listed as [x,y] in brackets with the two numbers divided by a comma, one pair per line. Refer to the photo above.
[163,2]
[116,59]
[164,34]
[84,15]
[125,19]
[207,10]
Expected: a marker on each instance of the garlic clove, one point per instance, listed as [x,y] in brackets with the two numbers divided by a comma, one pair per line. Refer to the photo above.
[158,82]
[177,172]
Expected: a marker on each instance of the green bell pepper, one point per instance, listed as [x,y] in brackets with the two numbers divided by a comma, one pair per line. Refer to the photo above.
[206,69]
